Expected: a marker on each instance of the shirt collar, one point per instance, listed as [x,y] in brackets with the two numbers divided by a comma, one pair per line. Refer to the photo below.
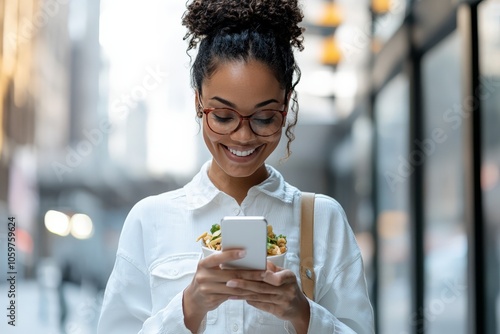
[201,191]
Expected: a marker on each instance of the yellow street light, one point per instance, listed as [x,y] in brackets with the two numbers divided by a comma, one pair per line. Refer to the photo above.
[331,15]
[381,6]
[330,53]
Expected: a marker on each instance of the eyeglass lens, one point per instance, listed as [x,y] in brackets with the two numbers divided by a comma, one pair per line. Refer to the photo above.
[262,123]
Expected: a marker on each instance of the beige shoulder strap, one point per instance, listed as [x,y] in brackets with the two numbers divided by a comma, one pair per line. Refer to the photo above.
[307,276]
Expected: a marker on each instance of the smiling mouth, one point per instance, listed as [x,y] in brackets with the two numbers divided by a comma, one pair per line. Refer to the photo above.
[242,153]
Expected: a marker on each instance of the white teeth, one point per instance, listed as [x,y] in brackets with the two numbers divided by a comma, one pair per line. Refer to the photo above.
[241,153]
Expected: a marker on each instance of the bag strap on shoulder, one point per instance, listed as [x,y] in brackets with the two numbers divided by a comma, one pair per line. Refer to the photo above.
[307,275]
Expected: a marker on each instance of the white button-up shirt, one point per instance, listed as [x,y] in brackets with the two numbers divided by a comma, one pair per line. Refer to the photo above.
[157,257]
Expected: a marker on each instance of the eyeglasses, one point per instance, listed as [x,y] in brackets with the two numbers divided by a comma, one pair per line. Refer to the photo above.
[264,123]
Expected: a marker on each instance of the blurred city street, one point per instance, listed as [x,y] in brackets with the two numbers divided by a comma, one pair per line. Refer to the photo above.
[39,309]
[398,122]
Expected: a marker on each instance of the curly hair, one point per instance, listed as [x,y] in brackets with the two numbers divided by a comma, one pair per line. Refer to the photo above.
[263,30]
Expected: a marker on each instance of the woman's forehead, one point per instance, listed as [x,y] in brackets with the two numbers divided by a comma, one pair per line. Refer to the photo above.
[243,79]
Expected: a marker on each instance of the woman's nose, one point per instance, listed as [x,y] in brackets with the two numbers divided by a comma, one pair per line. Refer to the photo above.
[244,132]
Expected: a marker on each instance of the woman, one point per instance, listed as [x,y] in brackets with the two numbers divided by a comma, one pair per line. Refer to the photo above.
[243,77]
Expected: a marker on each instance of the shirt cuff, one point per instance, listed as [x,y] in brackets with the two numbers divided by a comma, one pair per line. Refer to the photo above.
[321,320]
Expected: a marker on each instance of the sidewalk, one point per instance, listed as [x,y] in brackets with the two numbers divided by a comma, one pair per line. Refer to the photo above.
[38,311]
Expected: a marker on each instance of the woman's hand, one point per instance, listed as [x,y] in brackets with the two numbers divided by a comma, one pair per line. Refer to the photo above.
[208,288]
[278,293]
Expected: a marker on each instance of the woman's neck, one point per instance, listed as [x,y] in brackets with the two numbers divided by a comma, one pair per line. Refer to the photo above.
[236,187]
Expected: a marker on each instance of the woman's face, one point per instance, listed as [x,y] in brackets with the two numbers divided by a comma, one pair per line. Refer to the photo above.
[246,87]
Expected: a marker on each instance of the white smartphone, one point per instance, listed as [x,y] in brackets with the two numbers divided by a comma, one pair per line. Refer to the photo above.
[249,233]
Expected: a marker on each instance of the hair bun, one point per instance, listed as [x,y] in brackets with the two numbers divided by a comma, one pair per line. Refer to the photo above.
[207,17]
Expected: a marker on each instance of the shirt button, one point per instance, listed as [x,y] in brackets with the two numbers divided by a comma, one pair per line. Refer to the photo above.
[237,211]
[235,327]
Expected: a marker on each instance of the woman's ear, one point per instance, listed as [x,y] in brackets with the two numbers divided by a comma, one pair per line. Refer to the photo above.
[197,105]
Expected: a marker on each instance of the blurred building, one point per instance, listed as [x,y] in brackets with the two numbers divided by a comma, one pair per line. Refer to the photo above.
[18,119]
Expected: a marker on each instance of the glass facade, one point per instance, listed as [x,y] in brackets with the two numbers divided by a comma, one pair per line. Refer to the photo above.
[392,127]
[441,150]
[489,95]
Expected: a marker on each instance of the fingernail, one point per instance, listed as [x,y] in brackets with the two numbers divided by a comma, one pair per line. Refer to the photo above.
[231,284]
[242,254]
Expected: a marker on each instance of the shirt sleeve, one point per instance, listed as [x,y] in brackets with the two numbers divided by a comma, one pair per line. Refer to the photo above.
[343,322]
[342,303]
[127,305]
[345,308]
